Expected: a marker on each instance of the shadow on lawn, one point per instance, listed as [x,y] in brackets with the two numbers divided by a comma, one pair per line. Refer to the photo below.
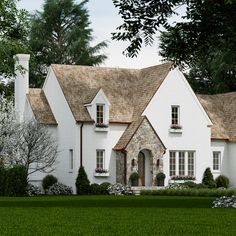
[109,201]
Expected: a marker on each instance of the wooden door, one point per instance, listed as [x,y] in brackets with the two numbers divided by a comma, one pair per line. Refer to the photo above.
[141,168]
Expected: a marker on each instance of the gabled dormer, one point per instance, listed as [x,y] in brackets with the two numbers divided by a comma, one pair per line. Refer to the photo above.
[99,111]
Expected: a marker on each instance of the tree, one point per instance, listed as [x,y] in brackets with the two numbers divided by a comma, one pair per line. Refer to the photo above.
[203,41]
[208,179]
[61,34]
[8,126]
[82,183]
[13,35]
[35,148]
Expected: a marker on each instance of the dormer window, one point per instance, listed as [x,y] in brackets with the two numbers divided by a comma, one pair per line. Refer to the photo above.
[100,114]
[175,126]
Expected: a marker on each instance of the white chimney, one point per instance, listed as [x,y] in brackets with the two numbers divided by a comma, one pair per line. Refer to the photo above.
[21,82]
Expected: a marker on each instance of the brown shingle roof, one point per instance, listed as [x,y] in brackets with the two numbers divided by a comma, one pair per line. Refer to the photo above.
[221,109]
[128,90]
[40,107]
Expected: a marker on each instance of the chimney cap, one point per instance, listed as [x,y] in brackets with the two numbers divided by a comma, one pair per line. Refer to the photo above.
[22,57]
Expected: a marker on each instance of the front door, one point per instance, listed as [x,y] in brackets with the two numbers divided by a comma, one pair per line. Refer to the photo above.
[141,168]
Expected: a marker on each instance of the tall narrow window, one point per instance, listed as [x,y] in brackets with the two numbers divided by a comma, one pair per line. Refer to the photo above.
[71,159]
[181,163]
[216,161]
[100,113]
[172,163]
[191,163]
[174,115]
[100,159]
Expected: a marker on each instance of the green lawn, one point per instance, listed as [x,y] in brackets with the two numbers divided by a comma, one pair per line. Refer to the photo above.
[108,215]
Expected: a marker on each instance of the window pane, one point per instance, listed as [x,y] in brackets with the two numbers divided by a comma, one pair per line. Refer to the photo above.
[181,163]
[100,159]
[191,163]
[216,160]
[175,115]
[71,161]
[172,163]
[100,113]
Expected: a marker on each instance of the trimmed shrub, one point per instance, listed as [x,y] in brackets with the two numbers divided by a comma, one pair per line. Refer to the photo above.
[208,179]
[33,190]
[134,178]
[3,177]
[60,189]
[82,182]
[16,181]
[222,181]
[95,189]
[48,181]
[104,188]
[119,189]
[206,192]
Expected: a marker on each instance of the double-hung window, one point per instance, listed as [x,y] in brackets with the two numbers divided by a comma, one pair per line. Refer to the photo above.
[100,114]
[100,161]
[216,161]
[174,115]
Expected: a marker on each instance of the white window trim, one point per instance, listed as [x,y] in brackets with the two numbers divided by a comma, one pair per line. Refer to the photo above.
[185,161]
[71,160]
[103,156]
[104,107]
[219,169]
[178,114]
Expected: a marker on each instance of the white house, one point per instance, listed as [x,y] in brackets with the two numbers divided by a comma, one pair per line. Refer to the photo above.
[126,120]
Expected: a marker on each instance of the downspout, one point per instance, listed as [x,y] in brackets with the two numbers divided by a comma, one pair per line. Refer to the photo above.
[81,144]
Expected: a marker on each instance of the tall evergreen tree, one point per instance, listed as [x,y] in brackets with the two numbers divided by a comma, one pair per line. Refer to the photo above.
[61,34]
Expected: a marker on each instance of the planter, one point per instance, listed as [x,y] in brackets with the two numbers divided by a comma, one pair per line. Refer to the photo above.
[160,182]
[134,182]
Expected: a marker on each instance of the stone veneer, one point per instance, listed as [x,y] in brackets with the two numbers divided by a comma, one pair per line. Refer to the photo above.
[145,138]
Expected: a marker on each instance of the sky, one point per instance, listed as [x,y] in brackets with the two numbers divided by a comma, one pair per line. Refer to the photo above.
[104,19]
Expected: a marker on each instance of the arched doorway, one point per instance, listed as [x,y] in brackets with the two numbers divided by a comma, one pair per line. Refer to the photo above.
[144,168]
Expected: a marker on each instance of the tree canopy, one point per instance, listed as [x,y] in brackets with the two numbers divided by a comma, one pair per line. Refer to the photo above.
[61,34]
[13,35]
[204,41]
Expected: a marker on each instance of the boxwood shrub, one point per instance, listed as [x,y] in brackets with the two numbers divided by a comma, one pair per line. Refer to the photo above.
[205,192]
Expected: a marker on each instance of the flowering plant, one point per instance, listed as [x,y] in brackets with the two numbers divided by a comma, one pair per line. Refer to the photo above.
[101,125]
[176,127]
[101,170]
[183,177]
[225,202]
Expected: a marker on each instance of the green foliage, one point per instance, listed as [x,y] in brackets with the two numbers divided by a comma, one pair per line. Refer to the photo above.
[208,179]
[134,176]
[61,35]
[222,181]
[82,183]
[13,35]
[203,40]
[48,181]
[160,176]
[3,176]
[205,192]
[16,181]
[95,189]
[104,186]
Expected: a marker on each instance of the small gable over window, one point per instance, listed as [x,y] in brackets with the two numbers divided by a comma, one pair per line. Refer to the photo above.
[99,110]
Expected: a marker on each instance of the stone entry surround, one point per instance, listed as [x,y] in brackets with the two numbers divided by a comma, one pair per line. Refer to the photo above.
[145,138]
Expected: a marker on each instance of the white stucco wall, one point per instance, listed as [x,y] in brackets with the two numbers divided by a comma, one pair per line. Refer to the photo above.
[222,147]
[195,134]
[67,132]
[92,141]
[232,164]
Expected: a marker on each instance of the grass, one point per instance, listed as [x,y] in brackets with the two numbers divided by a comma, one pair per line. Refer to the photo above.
[106,215]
